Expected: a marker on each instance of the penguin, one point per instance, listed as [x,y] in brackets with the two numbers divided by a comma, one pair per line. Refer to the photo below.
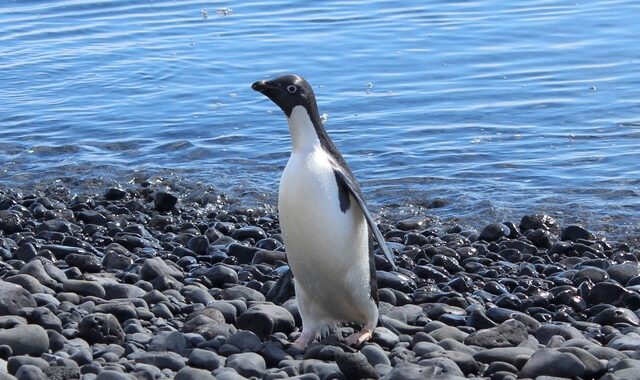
[326,226]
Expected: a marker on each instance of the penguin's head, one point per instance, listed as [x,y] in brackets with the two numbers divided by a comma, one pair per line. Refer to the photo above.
[288,91]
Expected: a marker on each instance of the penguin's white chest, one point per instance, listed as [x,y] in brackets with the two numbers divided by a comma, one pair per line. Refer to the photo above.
[327,249]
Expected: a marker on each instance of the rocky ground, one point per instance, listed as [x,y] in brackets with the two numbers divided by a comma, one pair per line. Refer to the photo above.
[135,284]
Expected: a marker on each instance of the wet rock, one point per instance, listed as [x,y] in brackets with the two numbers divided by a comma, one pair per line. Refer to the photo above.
[574,233]
[164,201]
[494,231]
[156,267]
[242,292]
[249,232]
[114,193]
[624,272]
[515,356]
[548,330]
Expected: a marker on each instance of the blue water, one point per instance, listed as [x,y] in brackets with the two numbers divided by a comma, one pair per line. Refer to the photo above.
[500,108]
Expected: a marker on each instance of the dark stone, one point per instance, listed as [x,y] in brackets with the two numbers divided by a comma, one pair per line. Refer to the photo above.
[574,233]
[14,297]
[552,363]
[114,194]
[219,275]
[508,334]
[87,263]
[249,232]
[101,328]
[91,217]
[25,339]
[26,252]
[241,292]
[188,373]
[162,360]
[156,267]
[205,359]
[265,319]
[164,201]
[624,272]
[494,231]
[247,364]
[85,288]
[356,366]
[516,356]
[611,316]
[534,222]
[242,253]
[245,341]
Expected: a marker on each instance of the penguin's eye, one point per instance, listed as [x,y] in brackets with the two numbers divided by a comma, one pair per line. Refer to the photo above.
[292,89]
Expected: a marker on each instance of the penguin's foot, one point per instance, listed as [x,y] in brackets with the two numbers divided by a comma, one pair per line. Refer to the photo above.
[356,339]
[304,339]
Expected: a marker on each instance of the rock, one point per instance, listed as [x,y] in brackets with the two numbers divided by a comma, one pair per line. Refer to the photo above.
[624,272]
[30,372]
[83,287]
[548,330]
[25,339]
[188,373]
[220,275]
[508,334]
[375,355]
[552,363]
[114,260]
[87,263]
[241,292]
[15,362]
[534,222]
[249,232]
[27,282]
[442,365]
[356,366]
[448,332]
[410,371]
[156,267]
[574,232]
[494,231]
[629,342]
[162,360]
[164,201]
[114,194]
[36,270]
[205,359]
[247,364]
[266,319]
[168,341]
[245,341]
[44,317]
[91,217]
[101,328]
[516,356]
[611,316]
[13,298]
[113,375]
[115,290]
[26,252]
[594,367]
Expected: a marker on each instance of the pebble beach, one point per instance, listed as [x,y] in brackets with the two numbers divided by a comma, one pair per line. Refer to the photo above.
[139,281]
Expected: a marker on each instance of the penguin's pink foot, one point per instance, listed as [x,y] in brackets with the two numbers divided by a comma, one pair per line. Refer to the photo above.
[356,339]
[304,339]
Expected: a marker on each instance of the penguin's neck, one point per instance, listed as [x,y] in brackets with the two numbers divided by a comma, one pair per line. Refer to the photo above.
[304,137]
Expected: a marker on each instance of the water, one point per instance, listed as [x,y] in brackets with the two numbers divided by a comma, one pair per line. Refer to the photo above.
[500,109]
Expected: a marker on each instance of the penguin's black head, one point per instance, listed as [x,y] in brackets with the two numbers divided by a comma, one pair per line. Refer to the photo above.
[288,91]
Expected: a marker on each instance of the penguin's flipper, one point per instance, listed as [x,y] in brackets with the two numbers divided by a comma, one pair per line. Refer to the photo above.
[345,184]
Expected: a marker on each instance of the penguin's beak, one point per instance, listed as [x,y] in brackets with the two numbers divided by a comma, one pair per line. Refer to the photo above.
[260,86]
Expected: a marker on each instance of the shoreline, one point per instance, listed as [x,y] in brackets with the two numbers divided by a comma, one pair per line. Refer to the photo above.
[136,279]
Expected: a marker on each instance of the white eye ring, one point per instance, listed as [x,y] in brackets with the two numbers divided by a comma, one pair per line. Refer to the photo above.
[292,89]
